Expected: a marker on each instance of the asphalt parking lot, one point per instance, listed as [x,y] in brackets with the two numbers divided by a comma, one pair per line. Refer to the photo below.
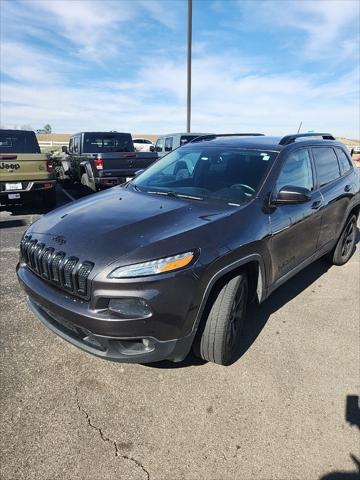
[278,413]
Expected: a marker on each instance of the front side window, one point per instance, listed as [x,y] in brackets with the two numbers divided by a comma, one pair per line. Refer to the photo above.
[159,145]
[208,173]
[326,163]
[296,171]
[344,162]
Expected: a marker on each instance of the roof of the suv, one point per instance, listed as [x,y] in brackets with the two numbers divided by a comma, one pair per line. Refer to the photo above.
[101,133]
[267,142]
[188,134]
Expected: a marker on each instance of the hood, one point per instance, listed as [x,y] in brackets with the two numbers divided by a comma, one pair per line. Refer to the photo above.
[127,226]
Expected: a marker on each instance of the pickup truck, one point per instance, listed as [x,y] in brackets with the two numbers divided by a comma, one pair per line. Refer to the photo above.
[104,159]
[25,172]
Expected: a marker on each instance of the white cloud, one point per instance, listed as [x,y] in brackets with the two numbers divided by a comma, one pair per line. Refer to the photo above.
[230,93]
[223,100]
[331,27]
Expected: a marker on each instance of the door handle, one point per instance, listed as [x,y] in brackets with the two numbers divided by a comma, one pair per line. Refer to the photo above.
[316,205]
[347,188]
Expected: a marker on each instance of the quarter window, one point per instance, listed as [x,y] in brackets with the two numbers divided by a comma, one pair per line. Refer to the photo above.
[296,171]
[344,162]
[327,166]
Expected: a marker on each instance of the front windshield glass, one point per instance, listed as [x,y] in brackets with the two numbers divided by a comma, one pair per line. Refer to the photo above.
[230,175]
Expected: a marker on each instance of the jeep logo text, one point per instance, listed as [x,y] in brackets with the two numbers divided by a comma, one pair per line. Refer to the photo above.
[9,166]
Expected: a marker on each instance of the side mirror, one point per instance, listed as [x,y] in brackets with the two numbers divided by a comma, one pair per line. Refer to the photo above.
[290,195]
[64,149]
[152,148]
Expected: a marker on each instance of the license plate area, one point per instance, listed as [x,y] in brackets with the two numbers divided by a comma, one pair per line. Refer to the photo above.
[13,196]
[13,186]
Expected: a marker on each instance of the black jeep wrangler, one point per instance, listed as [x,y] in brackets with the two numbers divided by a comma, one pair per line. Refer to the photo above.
[169,261]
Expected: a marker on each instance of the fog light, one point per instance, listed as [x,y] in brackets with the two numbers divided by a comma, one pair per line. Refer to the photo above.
[148,344]
[130,307]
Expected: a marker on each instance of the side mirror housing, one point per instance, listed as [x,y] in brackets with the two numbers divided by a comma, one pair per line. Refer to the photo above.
[64,149]
[290,195]
[152,148]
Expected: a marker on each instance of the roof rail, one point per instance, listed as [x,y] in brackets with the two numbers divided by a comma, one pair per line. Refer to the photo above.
[216,135]
[291,138]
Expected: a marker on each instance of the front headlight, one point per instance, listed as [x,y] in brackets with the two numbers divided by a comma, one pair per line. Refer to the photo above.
[162,265]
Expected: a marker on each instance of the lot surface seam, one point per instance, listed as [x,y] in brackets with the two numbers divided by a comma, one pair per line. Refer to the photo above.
[104,438]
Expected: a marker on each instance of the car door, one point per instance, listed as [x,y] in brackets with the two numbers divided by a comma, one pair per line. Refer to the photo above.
[295,228]
[336,190]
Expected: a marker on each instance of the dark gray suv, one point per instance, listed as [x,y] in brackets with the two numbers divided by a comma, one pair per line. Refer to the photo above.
[169,261]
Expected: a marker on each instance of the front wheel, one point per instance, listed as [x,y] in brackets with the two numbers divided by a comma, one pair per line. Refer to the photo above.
[345,246]
[223,328]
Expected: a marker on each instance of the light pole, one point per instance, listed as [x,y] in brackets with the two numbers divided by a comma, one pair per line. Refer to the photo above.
[189,40]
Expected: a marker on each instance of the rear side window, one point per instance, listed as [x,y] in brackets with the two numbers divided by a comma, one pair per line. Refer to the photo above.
[327,166]
[344,162]
[296,171]
[187,138]
[168,144]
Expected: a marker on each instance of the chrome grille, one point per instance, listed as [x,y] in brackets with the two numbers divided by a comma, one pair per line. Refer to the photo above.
[67,273]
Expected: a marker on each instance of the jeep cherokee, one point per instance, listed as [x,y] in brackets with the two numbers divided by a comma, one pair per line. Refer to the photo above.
[169,261]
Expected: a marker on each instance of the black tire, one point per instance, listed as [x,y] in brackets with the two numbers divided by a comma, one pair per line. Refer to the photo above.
[220,338]
[345,246]
[49,198]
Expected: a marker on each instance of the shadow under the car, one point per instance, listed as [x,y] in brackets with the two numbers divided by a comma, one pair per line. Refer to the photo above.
[12,223]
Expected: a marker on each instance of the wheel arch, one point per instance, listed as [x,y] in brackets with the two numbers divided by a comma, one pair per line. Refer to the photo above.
[355,211]
[253,265]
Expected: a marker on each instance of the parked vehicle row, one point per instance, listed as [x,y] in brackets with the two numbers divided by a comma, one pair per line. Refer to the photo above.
[169,261]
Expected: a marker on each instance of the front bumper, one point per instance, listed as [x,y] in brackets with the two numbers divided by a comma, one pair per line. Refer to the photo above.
[96,331]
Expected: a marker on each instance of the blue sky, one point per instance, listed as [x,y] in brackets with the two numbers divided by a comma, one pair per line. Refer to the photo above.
[121,65]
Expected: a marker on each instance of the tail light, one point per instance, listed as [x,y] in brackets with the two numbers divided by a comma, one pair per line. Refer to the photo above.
[50,166]
[99,164]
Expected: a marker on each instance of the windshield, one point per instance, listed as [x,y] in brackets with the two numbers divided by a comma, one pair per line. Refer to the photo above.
[18,142]
[230,175]
[107,142]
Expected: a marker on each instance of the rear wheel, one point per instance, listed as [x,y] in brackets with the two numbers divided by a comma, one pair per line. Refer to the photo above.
[345,246]
[222,331]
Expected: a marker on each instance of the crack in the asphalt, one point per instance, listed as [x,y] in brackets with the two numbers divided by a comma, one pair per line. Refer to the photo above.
[105,438]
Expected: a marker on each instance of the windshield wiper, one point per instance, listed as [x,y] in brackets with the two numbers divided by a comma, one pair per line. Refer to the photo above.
[176,195]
